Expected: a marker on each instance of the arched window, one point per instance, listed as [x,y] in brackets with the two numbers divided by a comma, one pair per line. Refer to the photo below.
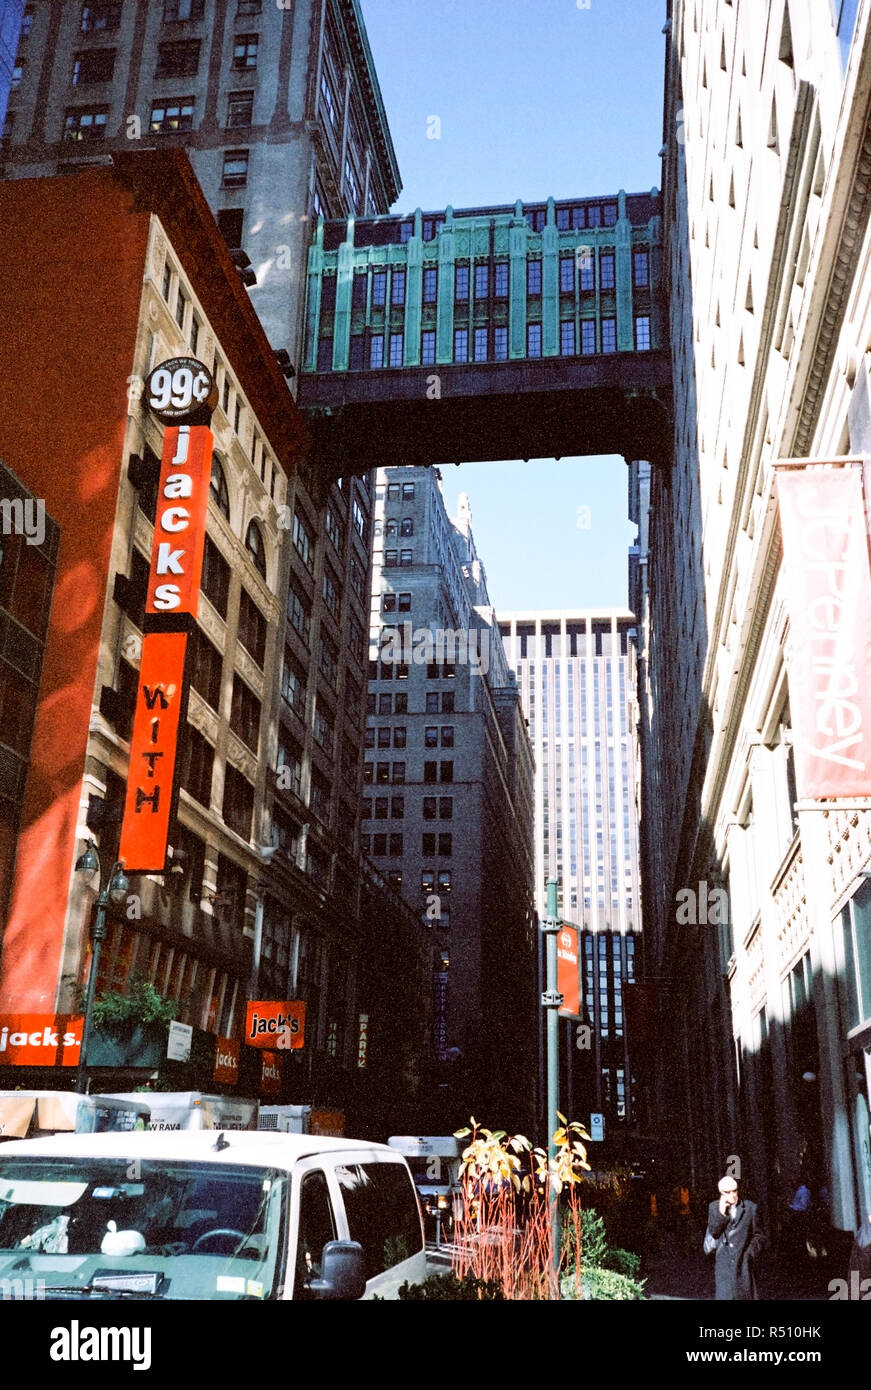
[218,489]
[407,528]
[391,529]
[256,549]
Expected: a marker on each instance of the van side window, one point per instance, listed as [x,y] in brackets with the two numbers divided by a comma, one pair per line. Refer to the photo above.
[382,1212]
[316,1227]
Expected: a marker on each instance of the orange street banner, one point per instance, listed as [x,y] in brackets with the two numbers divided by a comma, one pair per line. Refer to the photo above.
[180,525]
[567,972]
[828,598]
[40,1040]
[270,1073]
[274,1023]
[147,807]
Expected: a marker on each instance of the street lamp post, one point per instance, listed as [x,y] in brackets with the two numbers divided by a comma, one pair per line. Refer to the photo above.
[551,1000]
[115,891]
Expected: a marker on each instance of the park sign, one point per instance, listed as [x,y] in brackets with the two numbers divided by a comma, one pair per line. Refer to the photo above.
[181,392]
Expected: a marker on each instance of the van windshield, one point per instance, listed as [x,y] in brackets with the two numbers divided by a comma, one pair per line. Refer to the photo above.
[114,1228]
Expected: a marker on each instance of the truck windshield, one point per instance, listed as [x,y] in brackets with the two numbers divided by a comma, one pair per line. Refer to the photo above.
[96,1227]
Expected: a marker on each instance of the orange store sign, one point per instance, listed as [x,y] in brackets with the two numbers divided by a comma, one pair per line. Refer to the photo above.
[180,526]
[153,746]
[272,1023]
[40,1040]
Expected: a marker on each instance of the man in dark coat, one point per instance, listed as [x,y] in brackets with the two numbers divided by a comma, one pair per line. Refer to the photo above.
[734,1224]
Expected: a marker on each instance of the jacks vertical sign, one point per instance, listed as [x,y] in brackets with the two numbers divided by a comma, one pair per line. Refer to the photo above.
[828,598]
[182,393]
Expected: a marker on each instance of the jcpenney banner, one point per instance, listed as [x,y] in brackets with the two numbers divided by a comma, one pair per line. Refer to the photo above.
[828,597]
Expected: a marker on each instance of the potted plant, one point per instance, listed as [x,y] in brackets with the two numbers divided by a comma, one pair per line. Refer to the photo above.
[130,1030]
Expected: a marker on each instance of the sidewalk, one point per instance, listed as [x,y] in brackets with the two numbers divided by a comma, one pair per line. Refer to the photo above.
[673,1274]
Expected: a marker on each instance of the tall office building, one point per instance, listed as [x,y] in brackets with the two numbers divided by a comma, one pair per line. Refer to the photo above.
[576,674]
[280,113]
[766,1008]
[11,29]
[448,793]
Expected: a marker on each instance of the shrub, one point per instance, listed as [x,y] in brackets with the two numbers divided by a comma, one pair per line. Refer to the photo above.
[599,1283]
[143,1004]
[448,1286]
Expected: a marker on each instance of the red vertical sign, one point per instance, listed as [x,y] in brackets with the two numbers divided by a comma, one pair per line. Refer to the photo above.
[567,972]
[180,525]
[828,597]
[152,753]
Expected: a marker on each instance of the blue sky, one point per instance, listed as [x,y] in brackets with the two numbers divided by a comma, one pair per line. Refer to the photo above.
[534,97]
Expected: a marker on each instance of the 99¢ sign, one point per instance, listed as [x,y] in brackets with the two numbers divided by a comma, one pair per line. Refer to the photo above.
[181,390]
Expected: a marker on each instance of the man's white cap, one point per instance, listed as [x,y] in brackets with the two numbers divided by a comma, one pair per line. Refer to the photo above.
[727,1184]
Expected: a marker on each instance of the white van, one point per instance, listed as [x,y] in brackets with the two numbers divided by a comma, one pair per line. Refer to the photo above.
[208,1215]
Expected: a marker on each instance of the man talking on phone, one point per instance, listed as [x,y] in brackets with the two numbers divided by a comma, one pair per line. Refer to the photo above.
[735,1233]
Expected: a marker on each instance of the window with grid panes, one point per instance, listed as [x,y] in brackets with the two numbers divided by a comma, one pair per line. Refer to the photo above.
[293,683]
[196,760]
[245,51]
[609,335]
[427,347]
[607,271]
[289,764]
[178,59]
[298,612]
[238,802]
[567,338]
[252,627]
[245,713]
[461,282]
[567,274]
[430,285]
[500,344]
[399,736]
[397,807]
[205,662]
[93,65]
[86,123]
[323,730]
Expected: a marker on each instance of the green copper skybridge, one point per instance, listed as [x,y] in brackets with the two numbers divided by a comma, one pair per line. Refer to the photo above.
[526,331]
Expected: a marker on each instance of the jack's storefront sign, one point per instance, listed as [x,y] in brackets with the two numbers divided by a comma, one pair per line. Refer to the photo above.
[828,597]
[272,1023]
[40,1040]
[182,394]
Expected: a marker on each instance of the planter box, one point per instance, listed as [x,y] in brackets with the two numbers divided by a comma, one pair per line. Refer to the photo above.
[128,1045]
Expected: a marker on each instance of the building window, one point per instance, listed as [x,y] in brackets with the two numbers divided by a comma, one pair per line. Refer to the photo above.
[293,684]
[446,772]
[445,846]
[256,549]
[331,592]
[461,282]
[333,528]
[215,580]
[407,496]
[500,344]
[325,355]
[196,760]
[352,184]
[218,491]
[246,7]
[432,702]
[446,808]
[86,123]
[94,65]
[642,333]
[427,347]
[252,627]
[588,336]
[234,173]
[406,526]
[379,289]
[245,713]
[178,59]
[323,731]
[480,345]
[376,350]
[398,772]
[482,279]
[609,335]
[567,338]
[298,613]
[97,17]
[205,667]
[606,271]
[176,113]
[448,736]
[303,541]
[329,660]
[390,559]
[586,273]
[397,287]
[500,280]
[240,109]
[533,340]
[395,355]
[430,285]
[533,277]
[406,558]
[461,345]
[431,735]
[640,269]
[328,98]
[245,51]
[176,10]
[238,803]
[567,275]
